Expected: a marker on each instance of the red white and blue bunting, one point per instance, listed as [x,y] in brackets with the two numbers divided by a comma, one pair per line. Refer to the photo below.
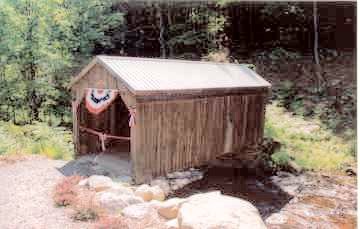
[97,100]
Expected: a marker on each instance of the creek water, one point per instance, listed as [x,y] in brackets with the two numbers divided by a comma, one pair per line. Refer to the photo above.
[285,200]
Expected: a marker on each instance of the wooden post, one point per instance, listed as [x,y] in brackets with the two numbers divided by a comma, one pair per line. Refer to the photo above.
[75,127]
[76,100]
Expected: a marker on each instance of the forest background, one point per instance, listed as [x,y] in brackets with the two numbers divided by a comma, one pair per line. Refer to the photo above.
[305,49]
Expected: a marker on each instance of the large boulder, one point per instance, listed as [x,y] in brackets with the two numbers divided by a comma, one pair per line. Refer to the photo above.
[99,183]
[214,210]
[168,209]
[114,202]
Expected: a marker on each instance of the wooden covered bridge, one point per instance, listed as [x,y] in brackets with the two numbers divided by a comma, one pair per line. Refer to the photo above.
[167,115]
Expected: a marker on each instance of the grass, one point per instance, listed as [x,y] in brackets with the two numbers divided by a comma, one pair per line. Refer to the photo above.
[308,143]
[38,138]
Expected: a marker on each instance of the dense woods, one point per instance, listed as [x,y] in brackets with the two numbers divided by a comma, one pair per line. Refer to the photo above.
[45,42]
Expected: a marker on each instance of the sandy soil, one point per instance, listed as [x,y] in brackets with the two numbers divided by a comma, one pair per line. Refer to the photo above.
[25,196]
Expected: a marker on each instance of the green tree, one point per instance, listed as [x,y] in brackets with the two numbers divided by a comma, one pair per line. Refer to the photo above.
[42,42]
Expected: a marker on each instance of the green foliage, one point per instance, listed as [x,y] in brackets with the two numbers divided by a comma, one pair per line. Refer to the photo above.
[307,143]
[278,54]
[337,111]
[207,36]
[38,138]
[280,158]
[42,42]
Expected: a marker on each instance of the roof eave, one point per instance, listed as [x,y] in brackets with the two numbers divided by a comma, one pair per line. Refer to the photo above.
[94,61]
[186,94]
[83,72]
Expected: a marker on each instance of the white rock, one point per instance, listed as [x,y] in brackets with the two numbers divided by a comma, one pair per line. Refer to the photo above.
[213,210]
[99,183]
[139,211]
[180,183]
[163,184]
[168,209]
[145,192]
[174,187]
[277,218]
[180,175]
[113,202]
[120,190]
[172,224]
[83,182]
[157,193]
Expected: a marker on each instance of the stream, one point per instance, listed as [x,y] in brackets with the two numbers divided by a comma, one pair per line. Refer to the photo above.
[285,200]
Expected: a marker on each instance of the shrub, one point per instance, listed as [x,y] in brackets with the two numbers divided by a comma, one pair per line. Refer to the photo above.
[281,158]
[65,192]
[85,208]
[38,138]
[85,214]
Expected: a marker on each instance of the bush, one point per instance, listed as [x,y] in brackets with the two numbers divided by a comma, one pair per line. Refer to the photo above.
[85,207]
[65,192]
[85,214]
[38,138]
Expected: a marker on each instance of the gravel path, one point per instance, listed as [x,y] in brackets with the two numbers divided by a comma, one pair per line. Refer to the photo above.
[25,196]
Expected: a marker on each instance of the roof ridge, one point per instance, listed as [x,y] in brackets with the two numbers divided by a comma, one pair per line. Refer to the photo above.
[167,60]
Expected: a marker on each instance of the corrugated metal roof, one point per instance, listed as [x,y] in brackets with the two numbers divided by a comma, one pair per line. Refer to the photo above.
[155,75]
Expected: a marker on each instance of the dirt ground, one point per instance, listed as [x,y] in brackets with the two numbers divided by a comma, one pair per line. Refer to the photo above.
[25,199]
[284,200]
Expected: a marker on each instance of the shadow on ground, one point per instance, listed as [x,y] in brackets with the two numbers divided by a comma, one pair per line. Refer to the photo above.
[114,166]
[260,191]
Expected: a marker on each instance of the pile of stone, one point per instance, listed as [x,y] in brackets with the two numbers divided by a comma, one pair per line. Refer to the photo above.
[200,211]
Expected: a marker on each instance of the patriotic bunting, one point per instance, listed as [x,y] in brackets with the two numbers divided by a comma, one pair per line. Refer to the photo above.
[97,100]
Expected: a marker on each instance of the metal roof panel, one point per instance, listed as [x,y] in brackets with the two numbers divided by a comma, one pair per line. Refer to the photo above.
[151,74]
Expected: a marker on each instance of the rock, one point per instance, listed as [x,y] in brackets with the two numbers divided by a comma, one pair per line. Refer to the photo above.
[179,175]
[277,218]
[139,211]
[120,190]
[113,202]
[180,183]
[157,193]
[83,182]
[172,224]
[294,168]
[168,209]
[214,210]
[99,183]
[163,184]
[145,192]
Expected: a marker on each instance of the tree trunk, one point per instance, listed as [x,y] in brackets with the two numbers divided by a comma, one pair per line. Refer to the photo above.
[162,41]
[316,34]
[317,67]
[169,20]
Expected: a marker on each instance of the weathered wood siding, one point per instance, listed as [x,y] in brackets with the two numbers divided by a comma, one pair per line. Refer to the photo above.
[179,134]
